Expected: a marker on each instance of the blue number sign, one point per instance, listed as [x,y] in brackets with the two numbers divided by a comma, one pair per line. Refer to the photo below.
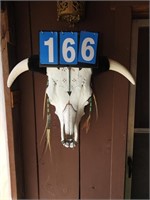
[68,48]
[88,47]
[48,47]
[70,52]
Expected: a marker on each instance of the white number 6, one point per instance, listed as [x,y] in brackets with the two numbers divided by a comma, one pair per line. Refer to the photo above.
[66,49]
[85,47]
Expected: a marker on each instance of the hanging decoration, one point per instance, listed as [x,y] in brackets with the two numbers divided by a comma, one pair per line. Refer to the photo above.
[69,59]
[70,11]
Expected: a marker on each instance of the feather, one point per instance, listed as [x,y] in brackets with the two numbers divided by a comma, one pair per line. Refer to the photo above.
[86,124]
[46,133]
[44,103]
[96,107]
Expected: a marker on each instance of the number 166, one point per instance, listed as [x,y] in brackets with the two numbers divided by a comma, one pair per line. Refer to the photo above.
[70,52]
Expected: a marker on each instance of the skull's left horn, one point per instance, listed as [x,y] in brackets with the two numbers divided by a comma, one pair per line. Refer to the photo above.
[31,64]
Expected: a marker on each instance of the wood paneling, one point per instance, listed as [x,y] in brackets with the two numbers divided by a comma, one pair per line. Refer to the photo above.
[139,9]
[103,148]
[58,175]
[95,169]
[5,38]
[121,88]
[28,129]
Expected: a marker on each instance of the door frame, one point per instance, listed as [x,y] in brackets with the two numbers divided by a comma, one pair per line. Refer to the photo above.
[136,24]
[6,38]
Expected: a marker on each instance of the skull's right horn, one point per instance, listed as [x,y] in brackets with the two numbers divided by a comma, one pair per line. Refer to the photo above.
[31,64]
[106,64]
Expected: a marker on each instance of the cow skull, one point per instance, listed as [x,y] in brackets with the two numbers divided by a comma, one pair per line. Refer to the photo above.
[68,90]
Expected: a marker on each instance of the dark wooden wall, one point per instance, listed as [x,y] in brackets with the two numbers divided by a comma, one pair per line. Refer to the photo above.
[96,168]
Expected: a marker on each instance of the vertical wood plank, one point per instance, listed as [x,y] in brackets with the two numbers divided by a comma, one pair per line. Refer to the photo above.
[103,148]
[23,49]
[120,103]
[96,144]
[5,37]
[58,173]
[9,59]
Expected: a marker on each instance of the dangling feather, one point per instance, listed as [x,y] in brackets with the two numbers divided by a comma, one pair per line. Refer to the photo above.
[44,103]
[96,107]
[46,132]
[86,124]
[47,141]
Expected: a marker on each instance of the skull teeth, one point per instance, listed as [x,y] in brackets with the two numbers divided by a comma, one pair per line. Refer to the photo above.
[69,144]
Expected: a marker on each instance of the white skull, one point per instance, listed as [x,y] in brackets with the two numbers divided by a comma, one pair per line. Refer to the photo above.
[69,91]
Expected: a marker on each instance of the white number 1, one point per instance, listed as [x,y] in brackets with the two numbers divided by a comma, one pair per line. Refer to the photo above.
[50,44]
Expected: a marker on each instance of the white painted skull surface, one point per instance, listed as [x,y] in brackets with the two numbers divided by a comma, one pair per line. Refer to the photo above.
[69,90]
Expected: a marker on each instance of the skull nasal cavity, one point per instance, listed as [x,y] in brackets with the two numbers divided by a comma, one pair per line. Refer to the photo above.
[69,117]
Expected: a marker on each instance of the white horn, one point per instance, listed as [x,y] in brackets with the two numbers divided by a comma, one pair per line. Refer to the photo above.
[17,70]
[117,67]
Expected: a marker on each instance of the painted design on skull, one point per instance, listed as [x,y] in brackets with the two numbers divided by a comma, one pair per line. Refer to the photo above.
[69,107]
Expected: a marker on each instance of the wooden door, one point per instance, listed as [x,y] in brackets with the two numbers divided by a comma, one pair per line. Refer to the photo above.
[96,167]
